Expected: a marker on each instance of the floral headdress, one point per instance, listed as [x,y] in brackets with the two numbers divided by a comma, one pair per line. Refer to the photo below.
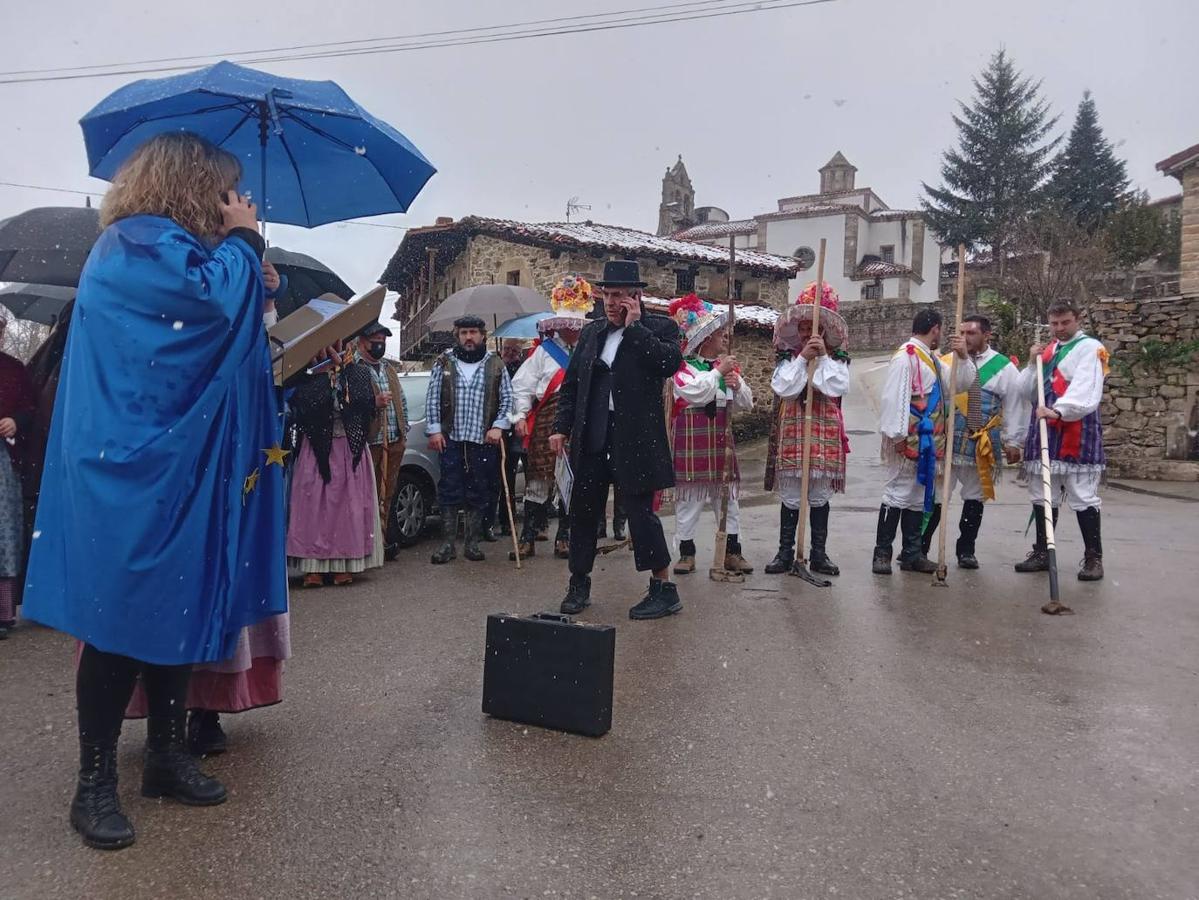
[832,324]
[697,319]
[571,300]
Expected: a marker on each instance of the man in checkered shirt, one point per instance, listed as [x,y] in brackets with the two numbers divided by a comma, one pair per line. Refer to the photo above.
[467,407]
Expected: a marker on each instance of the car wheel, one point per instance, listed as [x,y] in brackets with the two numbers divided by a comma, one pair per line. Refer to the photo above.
[409,512]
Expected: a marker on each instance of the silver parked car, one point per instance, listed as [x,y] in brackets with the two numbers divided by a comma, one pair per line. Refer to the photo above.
[416,491]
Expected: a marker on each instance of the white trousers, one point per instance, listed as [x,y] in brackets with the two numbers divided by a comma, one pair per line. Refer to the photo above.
[687,513]
[1082,489]
[820,491]
[966,476]
[902,491]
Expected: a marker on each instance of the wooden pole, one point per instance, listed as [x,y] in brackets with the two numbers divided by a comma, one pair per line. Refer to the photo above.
[718,571]
[1054,607]
[508,498]
[800,566]
[948,400]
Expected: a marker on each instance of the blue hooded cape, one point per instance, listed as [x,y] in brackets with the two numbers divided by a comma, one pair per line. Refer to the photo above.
[160,527]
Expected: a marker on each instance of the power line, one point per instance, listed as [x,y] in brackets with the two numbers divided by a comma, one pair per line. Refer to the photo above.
[395,37]
[754,6]
[60,190]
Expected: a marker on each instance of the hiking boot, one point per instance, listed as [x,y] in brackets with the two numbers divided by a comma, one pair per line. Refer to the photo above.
[685,565]
[1092,568]
[1092,563]
[818,560]
[912,557]
[95,810]
[733,560]
[618,532]
[660,601]
[788,522]
[578,595]
[1038,558]
[526,549]
[561,549]
[884,539]
[170,771]
[205,737]
[449,537]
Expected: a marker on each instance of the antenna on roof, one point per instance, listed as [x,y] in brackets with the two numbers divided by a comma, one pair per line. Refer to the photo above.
[573,206]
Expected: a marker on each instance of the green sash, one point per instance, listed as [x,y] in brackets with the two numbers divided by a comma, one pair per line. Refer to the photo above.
[991,368]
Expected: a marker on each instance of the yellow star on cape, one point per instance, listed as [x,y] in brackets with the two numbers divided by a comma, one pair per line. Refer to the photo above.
[248,486]
[275,455]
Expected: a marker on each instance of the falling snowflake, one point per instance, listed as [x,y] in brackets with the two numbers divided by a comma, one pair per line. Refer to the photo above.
[361,151]
[178,326]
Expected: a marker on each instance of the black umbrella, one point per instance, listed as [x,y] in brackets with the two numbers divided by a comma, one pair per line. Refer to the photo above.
[307,279]
[37,302]
[47,245]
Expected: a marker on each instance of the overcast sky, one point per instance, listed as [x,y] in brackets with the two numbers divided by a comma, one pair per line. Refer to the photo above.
[754,103]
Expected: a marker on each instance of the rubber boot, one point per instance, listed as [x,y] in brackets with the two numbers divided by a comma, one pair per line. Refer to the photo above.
[170,771]
[911,556]
[449,536]
[95,810]
[686,563]
[660,601]
[1092,563]
[734,560]
[788,523]
[884,539]
[929,531]
[578,595]
[968,526]
[474,531]
[1038,558]
[818,560]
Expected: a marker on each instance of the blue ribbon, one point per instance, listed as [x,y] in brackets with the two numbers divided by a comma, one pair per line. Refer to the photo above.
[926,462]
[556,353]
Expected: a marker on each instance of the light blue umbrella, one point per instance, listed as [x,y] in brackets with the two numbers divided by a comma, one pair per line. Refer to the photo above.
[311,154]
[523,327]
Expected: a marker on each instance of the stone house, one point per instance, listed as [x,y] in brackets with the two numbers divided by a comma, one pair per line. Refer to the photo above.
[874,253]
[432,263]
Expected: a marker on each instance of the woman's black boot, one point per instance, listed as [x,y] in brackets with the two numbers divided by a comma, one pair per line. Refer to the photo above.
[171,771]
[95,811]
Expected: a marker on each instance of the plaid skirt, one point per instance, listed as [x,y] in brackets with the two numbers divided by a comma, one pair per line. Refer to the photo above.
[830,444]
[699,453]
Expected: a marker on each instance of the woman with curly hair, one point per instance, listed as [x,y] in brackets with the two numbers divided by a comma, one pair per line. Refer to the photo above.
[159,532]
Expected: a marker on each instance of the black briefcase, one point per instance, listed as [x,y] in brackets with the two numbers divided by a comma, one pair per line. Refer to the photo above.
[551,671]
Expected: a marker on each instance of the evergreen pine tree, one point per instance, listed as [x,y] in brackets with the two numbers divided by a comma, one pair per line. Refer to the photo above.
[995,178]
[1088,180]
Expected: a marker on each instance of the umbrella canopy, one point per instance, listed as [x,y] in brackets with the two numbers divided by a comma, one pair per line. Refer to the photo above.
[493,303]
[310,154]
[523,327]
[306,278]
[36,302]
[47,245]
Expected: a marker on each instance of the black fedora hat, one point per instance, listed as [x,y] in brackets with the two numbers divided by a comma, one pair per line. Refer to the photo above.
[621,273]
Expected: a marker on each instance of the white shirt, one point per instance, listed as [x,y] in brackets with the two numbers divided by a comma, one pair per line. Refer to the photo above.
[608,354]
[790,378]
[696,388]
[1006,384]
[907,376]
[1082,368]
[530,382]
[468,370]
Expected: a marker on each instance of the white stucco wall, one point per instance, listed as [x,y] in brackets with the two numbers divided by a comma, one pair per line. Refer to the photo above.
[785,236]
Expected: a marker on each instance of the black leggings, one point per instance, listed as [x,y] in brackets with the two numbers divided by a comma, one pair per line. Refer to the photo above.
[104,683]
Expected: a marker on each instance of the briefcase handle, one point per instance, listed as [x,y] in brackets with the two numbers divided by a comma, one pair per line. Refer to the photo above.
[553,617]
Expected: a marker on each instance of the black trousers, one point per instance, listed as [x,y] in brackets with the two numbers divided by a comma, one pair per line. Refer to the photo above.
[588,499]
[104,683]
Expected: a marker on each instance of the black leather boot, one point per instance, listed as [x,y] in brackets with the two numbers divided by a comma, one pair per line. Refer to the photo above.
[1092,563]
[884,539]
[578,595]
[95,810]
[788,522]
[205,737]
[929,531]
[618,520]
[474,531]
[449,536]
[660,601]
[818,560]
[911,556]
[968,526]
[1038,559]
[170,771]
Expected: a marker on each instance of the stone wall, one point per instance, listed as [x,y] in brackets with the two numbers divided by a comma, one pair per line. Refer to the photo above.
[754,349]
[886,325]
[1190,232]
[1148,413]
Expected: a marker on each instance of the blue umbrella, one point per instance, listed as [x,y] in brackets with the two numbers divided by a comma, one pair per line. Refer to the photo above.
[317,156]
[522,326]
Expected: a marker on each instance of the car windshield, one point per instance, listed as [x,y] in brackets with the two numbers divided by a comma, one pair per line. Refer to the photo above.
[414,387]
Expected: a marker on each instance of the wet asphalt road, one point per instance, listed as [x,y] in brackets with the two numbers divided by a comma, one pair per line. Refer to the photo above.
[878,739]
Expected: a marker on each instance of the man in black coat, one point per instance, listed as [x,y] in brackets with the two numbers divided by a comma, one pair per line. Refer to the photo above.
[611,409]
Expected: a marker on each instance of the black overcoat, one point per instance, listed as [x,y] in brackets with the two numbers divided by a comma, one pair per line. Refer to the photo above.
[649,353]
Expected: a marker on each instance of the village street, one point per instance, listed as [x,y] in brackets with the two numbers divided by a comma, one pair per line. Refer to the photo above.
[881,738]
